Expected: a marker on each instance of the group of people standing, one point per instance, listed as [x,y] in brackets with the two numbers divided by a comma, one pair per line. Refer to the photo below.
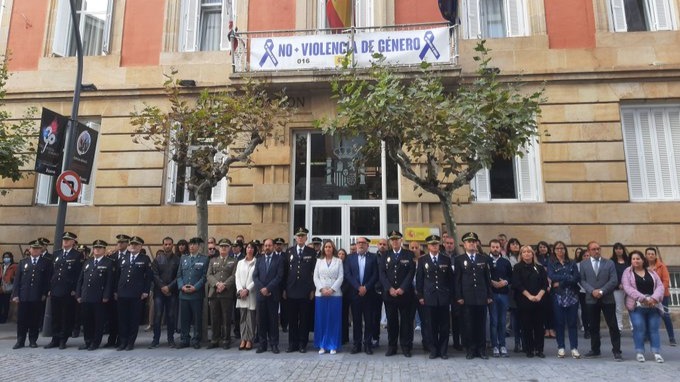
[257,286]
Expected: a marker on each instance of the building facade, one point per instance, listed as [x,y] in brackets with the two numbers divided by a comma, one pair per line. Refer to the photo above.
[606,168]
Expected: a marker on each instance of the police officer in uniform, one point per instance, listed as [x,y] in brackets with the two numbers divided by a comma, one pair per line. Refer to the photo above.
[434,289]
[45,253]
[191,278]
[95,289]
[396,271]
[31,285]
[77,318]
[221,291]
[122,242]
[134,284]
[473,293]
[68,263]
[299,264]
[316,246]
[279,250]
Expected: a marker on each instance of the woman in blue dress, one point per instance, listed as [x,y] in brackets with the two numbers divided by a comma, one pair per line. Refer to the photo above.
[328,276]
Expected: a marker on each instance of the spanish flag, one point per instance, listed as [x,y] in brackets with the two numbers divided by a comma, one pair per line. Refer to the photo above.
[339,13]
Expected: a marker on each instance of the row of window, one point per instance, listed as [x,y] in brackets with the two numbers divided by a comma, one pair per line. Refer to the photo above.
[324,169]
[204,25]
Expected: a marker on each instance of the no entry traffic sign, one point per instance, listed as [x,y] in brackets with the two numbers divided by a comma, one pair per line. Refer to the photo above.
[68,186]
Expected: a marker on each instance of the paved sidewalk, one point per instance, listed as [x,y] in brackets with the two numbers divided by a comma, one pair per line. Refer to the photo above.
[165,364]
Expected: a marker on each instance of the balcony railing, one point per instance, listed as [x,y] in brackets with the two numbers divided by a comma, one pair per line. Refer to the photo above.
[327,49]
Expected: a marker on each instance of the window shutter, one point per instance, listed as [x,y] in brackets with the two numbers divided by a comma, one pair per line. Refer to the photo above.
[473,20]
[219,194]
[482,189]
[618,15]
[62,29]
[86,194]
[525,168]
[227,24]
[674,127]
[647,150]
[106,43]
[661,14]
[171,182]
[189,25]
[42,189]
[321,17]
[632,155]
[663,161]
[363,13]
[515,18]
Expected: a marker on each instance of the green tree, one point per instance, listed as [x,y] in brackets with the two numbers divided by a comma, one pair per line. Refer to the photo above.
[16,137]
[209,133]
[440,138]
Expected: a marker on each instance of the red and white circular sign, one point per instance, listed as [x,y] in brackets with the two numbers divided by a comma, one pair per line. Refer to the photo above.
[68,186]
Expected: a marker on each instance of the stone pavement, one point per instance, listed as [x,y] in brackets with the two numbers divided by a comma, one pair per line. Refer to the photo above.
[165,364]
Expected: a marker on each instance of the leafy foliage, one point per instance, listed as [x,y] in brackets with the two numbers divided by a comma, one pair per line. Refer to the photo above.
[440,139]
[16,144]
[211,132]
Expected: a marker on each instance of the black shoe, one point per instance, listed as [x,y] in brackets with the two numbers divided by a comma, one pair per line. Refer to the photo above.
[303,349]
[83,347]
[618,357]
[260,350]
[432,356]
[390,352]
[197,345]
[121,348]
[212,345]
[540,354]
[275,349]
[182,345]
[130,347]
[62,345]
[368,350]
[444,356]
[592,354]
[483,355]
[355,350]
[18,345]
[291,349]
[153,345]
[226,345]
[93,347]
[530,355]
[171,344]
[52,344]
[469,356]
[407,353]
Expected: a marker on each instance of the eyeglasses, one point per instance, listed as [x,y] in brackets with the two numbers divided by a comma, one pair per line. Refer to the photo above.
[559,249]
[362,242]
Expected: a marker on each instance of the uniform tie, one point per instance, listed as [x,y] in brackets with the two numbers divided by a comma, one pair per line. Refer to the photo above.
[35,261]
[472,257]
[434,260]
[96,261]
[132,258]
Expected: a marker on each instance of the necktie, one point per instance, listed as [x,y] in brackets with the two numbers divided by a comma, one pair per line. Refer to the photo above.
[35,261]
[299,251]
[132,258]
[96,261]
[434,260]
[596,266]
[269,259]
[472,258]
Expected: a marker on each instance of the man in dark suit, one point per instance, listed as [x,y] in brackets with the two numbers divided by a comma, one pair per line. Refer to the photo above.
[134,284]
[279,249]
[450,250]
[299,264]
[31,285]
[267,278]
[122,242]
[434,289]
[473,293]
[67,265]
[599,279]
[361,273]
[396,271]
[94,290]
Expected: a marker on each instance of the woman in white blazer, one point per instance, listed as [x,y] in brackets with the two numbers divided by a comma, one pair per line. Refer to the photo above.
[245,298]
[328,276]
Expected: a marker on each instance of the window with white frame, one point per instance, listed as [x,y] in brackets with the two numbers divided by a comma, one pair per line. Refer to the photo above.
[494,18]
[641,15]
[651,137]
[359,13]
[94,23]
[46,193]
[517,179]
[177,191]
[205,24]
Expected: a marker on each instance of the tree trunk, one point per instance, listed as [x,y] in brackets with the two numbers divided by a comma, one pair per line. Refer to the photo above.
[202,195]
[446,202]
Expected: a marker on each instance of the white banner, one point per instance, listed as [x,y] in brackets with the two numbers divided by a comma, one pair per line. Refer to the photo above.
[326,51]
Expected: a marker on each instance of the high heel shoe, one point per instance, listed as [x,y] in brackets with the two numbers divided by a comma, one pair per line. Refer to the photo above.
[249,345]
[242,345]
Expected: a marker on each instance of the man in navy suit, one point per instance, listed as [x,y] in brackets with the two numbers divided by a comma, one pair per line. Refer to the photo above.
[267,278]
[361,273]
[599,279]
